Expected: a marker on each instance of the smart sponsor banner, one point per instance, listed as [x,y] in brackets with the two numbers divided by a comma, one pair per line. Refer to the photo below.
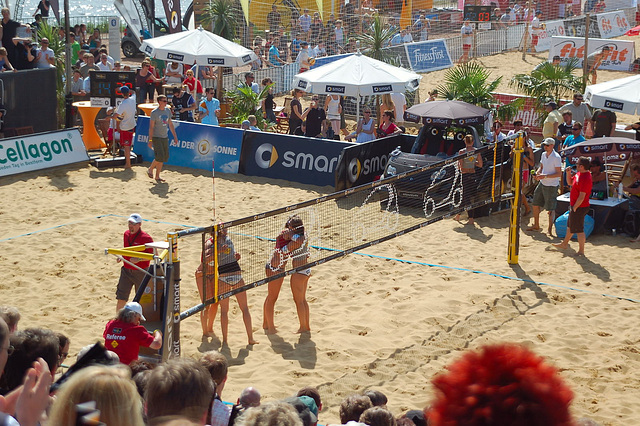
[620,56]
[576,27]
[428,56]
[553,28]
[293,158]
[365,162]
[41,151]
[613,24]
[197,145]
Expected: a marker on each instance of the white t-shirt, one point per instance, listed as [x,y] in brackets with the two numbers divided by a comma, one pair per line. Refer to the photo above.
[467,34]
[400,103]
[42,62]
[536,26]
[128,110]
[549,164]
[104,67]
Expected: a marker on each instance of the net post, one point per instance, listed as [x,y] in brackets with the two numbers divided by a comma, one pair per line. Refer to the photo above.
[171,318]
[514,223]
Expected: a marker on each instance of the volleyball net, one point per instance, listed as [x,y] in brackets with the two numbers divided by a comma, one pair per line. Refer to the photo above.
[252,251]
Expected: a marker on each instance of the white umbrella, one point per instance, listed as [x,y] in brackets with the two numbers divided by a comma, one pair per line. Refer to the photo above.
[621,95]
[200,47]
[356,75]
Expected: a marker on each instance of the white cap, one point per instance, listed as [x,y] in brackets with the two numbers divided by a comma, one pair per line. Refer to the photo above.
[135,218]
[547,141]
[135,307]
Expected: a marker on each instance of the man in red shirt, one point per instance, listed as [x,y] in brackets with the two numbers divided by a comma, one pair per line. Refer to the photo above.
[124,335]
[581,185]
[130,275]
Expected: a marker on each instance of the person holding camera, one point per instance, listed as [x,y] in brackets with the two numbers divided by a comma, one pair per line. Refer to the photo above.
[314,116]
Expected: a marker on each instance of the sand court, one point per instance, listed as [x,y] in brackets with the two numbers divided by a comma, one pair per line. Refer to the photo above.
[376,322]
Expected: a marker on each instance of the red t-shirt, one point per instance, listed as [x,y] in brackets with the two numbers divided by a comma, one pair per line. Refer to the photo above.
[137,240]
[191,82]
[125,339]
[392,128]
[581,183]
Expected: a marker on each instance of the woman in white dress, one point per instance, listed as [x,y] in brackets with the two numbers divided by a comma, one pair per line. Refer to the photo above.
[333,109]
[365,131]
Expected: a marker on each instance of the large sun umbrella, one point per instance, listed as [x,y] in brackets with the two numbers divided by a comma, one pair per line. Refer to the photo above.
[621,95]
[199,47]
[447,113]
[357,75]
[605,149]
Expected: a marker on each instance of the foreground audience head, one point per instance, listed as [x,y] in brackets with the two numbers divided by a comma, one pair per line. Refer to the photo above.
[112,390]
[10,314]
[377,398]
[4,344]
[353,406]
[29,345]
[502,385]
[217,366]
[312,393]
[250,397]
[178,388]
[273,413]
[377,416]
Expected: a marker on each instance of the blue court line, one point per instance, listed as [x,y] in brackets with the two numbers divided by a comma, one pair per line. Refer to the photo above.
[373,256]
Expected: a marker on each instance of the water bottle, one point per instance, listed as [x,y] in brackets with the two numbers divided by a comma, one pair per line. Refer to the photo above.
[614,232]
[620,191]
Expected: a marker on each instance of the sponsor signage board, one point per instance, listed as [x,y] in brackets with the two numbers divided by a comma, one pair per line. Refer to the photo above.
[197,146]
[613,24]
[619,58]
[428,56]
[41,151]
[293,158]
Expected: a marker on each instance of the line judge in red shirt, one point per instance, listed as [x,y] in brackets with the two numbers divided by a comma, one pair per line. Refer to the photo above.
[124,335]
[129,275]
[581,185]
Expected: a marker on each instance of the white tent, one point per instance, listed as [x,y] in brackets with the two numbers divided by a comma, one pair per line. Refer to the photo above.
[357,75]
[200,47]
[621,95]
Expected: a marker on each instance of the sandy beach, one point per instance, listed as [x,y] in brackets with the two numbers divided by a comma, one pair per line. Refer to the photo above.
[376,322]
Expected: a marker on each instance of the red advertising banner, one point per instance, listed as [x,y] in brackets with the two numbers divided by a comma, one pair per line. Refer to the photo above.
[528,114]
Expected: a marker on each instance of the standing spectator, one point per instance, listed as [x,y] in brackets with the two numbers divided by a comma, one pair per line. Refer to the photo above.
[126,114]
[314,117]
[9,31]
[183,103]
[274,53]
[104,64]
[551,123]
[338,32]
[320,50]
[399,105]
[565,128]
[250,80]
[267,103]
[75,48]
[131,277]
[594,61]
[174,73]
[295,118]
[467,167]
[25,52]
[424,28]
[94,40]
[193,85]
[88,65]
[497,135]
[305,24]
[316,28]
[145,82]
[579,111]
[332,110]
[159,125]
[581,185]
[274,19]
[43,8]
[365,129]
[467,40]
[210,106]
[548,175]
[45,58]
[537,28]
[603,122]
[304,57]
[124,335]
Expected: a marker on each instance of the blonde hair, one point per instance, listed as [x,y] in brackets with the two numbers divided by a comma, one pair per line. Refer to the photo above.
[387,100]
[111,388]
[3,51]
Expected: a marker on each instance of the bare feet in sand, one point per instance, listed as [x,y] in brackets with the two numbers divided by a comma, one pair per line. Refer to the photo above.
[561,246]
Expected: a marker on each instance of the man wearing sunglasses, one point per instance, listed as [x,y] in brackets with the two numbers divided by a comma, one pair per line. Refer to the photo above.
[579,110]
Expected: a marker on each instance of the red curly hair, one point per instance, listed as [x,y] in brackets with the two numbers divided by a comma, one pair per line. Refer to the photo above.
[502,385]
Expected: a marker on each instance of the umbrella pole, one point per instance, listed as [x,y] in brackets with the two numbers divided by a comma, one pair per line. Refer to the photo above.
[606,175]
[358,109]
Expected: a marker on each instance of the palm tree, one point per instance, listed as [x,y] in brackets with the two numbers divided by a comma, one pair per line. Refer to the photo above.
[57,45]
[246,102]
[222,16]
[373,41]
[548,82]
[471,82]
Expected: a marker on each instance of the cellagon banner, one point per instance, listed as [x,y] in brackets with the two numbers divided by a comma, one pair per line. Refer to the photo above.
[365,162]
[293,158]
[427,56]
[174,17]
[620,56]
[197,146]
[612,24]
[41,151]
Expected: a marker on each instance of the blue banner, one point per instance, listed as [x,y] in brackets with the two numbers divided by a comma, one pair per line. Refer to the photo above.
[293,158]
[428,56]
[328,59]
[197,146]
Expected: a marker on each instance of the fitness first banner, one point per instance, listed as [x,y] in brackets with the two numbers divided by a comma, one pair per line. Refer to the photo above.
[613,24]
[428,56]
[197,146]
[293,158]
[619,58]
[41,151]
[365,162]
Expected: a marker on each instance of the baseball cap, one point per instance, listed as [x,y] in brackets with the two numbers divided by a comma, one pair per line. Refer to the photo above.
[135,218]
[135,307]
[304,43]
[124,89]
[307,417]
[551,104]
[310,403]
[549,141]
